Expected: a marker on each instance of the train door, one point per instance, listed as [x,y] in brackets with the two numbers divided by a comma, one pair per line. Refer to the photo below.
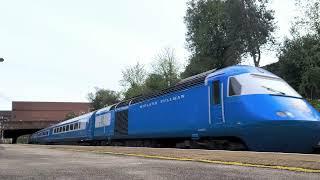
[216,102]
[90,126]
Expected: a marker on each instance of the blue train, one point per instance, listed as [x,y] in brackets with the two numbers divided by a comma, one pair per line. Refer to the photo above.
[238,107]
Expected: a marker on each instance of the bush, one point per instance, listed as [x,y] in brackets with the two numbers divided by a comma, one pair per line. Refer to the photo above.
[315,103]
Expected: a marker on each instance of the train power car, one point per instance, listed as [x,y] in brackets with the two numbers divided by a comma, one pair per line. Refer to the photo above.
[238,107]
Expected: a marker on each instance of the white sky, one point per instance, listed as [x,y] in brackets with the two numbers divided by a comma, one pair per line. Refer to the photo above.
[60,50]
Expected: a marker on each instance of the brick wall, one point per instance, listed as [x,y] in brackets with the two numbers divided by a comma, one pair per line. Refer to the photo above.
[46,111]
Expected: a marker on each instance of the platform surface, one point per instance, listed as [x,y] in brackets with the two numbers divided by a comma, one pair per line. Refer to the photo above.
[100,162]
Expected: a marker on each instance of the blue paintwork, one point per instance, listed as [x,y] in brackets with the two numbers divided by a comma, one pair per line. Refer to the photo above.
[191,114]
[178,114]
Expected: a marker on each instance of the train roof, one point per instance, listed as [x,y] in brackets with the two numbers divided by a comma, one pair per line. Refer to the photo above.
[239,69]
[192,81]
[88,115]
[181,85]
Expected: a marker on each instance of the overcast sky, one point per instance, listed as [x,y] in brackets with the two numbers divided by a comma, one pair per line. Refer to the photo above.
[60,50]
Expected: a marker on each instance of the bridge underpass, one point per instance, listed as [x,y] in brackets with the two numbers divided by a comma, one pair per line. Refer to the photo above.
[15,129]
[14,134]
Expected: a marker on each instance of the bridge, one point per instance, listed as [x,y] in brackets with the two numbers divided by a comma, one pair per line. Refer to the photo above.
[29,117]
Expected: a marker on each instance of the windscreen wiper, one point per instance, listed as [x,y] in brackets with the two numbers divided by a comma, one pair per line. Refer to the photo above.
[273,90]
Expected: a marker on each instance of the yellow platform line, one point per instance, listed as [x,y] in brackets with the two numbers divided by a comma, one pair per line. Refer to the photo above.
[296,169]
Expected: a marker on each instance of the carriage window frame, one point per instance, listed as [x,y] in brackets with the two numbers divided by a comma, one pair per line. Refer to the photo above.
[76,126]
[216,92]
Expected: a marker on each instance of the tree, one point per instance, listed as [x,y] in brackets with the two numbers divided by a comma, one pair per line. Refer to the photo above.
[299,62]
[310,83]
[102,98]
[70,115]
[299,57]
[133,78]
[220,32]
[155,82]
[308,20]
[167,67]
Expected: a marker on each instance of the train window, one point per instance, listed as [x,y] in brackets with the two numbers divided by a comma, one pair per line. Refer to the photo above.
[76,126]
[67,127]
[246,84]
[71,127]
[63,128]
[60,129]
[216,92]
[234,87]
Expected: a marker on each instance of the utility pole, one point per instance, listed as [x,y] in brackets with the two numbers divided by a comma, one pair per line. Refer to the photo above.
[1,119]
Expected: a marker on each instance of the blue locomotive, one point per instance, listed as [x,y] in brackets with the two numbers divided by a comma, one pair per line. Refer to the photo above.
[238,107]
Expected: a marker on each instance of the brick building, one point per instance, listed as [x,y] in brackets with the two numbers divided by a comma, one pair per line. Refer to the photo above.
[46,111]
[28,117]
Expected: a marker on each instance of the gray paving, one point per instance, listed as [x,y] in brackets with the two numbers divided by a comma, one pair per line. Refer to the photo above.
[32,162]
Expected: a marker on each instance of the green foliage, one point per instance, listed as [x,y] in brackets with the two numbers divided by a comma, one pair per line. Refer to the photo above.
[70,115]
[220,32]
[155,82]
[310,84]
[299,57]
[102,98]
[299,62]
[315,103]
[166,66]
[136,81]
[133,78]
[135,90]
[308,20]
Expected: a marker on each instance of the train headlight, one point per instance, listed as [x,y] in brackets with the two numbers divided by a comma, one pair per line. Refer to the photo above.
[284,114]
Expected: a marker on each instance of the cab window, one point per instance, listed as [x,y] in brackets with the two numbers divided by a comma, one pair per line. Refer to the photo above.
[216,92]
